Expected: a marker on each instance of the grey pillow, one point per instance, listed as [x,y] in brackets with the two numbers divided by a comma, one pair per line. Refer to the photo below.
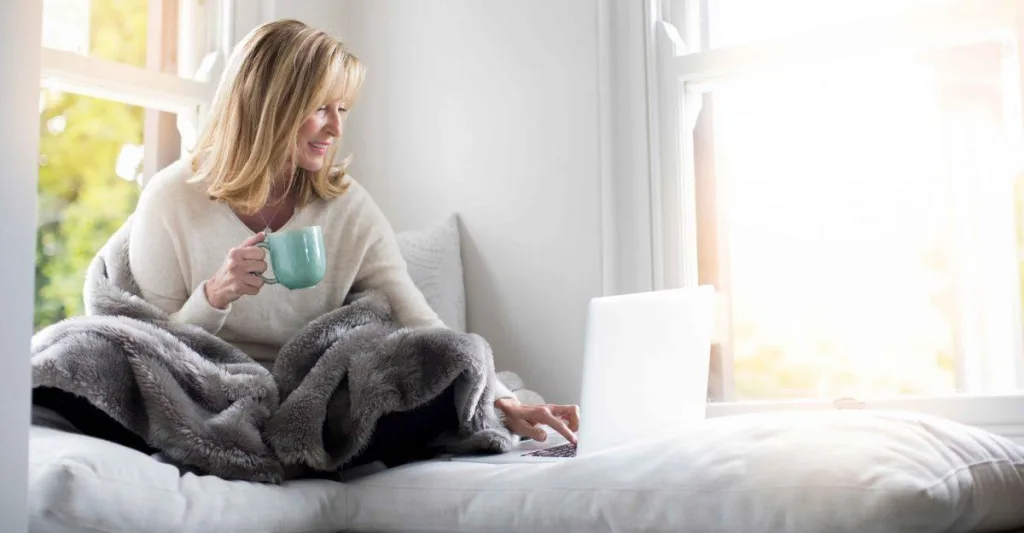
[434,256]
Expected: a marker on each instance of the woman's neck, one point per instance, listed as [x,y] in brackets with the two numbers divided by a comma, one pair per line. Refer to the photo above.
[278,208]
[281,186]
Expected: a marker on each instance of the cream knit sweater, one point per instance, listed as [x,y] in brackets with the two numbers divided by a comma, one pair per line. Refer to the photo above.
[180,238]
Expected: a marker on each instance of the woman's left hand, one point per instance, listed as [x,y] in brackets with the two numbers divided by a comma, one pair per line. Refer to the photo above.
[525,419]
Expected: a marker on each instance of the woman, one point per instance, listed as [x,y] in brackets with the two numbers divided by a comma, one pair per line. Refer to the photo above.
[263,163]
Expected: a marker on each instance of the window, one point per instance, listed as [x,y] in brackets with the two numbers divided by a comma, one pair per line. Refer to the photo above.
[735,22]
[124,86]
[846,175]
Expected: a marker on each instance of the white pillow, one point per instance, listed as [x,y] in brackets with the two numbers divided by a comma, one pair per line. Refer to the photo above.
[84,484]
[813,472]
[825,472]
[434,256]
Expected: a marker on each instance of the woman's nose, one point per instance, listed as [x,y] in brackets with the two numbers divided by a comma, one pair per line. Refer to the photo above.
[333,125]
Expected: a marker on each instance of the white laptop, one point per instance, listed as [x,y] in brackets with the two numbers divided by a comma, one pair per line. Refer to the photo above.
[645,373]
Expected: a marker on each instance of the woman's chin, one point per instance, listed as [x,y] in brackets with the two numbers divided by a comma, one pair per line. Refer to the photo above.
[313,163]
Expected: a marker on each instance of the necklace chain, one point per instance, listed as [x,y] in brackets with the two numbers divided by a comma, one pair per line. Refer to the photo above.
[272,218]
[277,211]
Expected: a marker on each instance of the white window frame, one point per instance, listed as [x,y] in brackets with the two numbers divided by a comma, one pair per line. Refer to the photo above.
[176,79]
[675,63]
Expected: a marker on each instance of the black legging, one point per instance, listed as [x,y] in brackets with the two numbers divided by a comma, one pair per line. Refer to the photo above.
[88,418]
[401,437]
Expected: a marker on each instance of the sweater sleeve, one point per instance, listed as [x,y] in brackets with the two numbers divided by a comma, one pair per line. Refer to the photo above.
[384,268]
[154,257]
[501,391]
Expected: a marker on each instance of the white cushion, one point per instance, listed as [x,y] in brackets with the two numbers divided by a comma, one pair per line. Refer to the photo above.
[833,472]
[434,256]
[79,483]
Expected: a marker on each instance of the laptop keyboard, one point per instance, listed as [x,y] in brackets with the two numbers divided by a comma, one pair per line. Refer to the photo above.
[565,450]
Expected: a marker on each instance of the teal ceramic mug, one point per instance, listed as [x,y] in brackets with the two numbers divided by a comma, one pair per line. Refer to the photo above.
[297,257]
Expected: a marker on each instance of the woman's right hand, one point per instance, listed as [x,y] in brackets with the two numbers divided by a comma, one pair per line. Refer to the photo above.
[239,275]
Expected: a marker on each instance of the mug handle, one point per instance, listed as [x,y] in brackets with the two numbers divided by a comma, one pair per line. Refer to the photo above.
[268,281]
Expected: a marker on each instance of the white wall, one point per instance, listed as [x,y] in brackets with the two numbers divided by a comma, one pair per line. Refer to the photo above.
[490,109]
[327,15]
[528,119]
[20,22]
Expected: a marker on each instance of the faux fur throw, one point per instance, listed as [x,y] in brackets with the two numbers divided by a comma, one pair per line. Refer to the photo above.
[206,405]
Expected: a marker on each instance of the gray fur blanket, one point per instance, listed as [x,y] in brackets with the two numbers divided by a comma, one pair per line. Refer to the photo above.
[206,405]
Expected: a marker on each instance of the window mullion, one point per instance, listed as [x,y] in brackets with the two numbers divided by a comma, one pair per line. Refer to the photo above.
[160,132]
[672,182]
[1015,114]
[119,82]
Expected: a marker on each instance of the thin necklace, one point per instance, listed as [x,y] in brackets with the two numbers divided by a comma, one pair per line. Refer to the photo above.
[267,229]
[278,210]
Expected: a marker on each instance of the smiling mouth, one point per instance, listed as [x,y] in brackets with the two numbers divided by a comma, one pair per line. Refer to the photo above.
[320,148]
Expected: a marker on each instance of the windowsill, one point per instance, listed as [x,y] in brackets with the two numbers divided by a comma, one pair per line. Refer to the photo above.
[1002,414]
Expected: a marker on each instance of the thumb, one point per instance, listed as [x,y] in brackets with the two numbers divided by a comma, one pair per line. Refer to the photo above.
[534,432]
[252,241]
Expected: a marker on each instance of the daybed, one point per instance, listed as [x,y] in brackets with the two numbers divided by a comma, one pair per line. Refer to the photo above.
[841,471]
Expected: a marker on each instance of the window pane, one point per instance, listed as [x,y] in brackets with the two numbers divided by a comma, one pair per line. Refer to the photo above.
[871,228]
[90,160]
[107,29]
[735,22]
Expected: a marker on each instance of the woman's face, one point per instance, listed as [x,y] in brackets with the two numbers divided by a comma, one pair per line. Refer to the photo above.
[317,133]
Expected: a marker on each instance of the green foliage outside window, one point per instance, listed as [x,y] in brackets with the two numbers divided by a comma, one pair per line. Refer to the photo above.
[82,200]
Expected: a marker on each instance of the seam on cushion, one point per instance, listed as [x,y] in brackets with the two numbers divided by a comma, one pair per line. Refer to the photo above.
[934,484]
[941,480]
[505,529]
[971,466]
[622,489]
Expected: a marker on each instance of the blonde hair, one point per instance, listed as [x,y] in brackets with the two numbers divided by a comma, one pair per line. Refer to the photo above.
[277,76]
